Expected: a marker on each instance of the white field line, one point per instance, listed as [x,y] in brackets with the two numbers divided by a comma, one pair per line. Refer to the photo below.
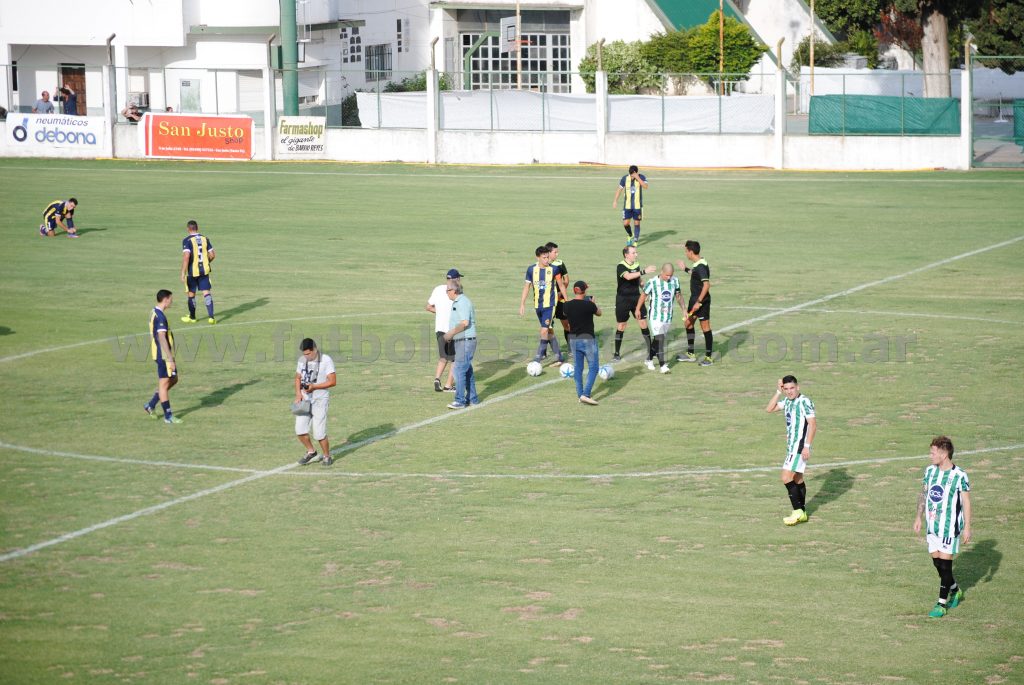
[863,312]
[635,474]
[18,553]
[494,400]
[124,460]
[418,171]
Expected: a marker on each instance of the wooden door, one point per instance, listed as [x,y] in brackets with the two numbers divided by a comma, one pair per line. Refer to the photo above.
[73,77]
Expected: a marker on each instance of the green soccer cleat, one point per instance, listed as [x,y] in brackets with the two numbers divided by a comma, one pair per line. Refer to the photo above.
[173,419]
[955,600]
[187,319]
[938,611]
[211,321]
[149,411]
[706,361]
[687,357]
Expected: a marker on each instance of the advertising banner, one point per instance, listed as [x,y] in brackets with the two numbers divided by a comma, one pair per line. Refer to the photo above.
[300,137]
[197,136]
[39,133]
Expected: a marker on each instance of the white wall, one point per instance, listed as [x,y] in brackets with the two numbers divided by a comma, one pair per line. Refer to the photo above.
[627,20]
[774,19]
[55,22]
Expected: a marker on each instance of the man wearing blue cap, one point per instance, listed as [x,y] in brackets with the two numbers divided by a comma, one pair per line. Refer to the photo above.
[440,305]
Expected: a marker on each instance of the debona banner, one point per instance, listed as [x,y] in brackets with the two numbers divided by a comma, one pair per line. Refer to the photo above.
[196,136]
[41,132]
[300,137]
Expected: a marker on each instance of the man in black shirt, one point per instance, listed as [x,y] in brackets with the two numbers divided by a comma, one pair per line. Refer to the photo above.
[580,312]
[700,303]
[627,295]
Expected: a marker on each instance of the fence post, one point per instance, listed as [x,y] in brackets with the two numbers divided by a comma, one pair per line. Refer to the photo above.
[903,99]
[432,109]
[780,113]
[843,118]
[543,123]
[663,104]
[967,112]
[601,113]
[269,110]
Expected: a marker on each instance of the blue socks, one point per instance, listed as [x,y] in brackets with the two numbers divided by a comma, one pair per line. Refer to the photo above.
[167,409]
[208,299]
[191,307]
[153,400]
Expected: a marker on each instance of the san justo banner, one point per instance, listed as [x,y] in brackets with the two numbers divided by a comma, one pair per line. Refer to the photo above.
[197,136]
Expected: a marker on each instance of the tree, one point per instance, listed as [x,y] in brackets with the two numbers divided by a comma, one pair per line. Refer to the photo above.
[628,72]
[846,17]
[825,55]
[999,30]
[741,49]
[936,18]
[668,52]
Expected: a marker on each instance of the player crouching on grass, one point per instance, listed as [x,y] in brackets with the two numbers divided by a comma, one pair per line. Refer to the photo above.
[801,426]
[945,502]
[59,214]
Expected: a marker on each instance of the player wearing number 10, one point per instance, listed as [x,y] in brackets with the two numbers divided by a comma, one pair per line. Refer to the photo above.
[196,258]
[945,502]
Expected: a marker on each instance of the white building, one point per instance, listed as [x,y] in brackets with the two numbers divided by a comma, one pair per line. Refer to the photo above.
[208,55]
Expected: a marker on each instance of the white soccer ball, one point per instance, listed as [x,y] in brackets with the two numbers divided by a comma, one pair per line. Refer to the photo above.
[534,369]
[566,370]
[606,372]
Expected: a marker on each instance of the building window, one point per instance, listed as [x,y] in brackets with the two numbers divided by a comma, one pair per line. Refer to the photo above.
[378,62]
[351,45]
[398,33]
[14,76]
[546,63]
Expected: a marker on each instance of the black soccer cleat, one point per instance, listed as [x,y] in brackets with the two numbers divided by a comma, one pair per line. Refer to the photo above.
[328,460]
[437,385]
[310,456]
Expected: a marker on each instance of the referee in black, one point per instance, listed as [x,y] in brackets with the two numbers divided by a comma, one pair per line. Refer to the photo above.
[627,296]
[699,307]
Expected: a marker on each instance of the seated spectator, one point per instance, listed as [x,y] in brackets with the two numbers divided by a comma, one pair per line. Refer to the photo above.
[169,109]
[43,105]
[132,113]
[69,98]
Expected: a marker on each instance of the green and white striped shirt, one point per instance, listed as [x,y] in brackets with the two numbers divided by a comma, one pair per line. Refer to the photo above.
[797,412]
[943,505]
[661,295]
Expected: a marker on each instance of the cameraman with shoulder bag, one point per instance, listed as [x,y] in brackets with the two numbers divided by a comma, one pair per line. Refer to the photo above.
[313,376]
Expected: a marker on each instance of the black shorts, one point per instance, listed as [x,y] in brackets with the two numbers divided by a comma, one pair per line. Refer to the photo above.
[445,350]
[702,314]
[560,311]
[626,307]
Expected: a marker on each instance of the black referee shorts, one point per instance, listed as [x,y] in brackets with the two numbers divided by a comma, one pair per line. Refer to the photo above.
[626,307]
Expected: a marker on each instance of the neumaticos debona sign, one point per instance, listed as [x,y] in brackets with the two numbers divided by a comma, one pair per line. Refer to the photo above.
[48,131]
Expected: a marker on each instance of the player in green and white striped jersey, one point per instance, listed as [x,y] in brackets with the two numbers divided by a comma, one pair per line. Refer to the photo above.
[660,294]
[801,426]
[945,502]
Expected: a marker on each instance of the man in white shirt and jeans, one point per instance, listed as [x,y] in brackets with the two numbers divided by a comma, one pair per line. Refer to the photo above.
[313,376]
[440,305]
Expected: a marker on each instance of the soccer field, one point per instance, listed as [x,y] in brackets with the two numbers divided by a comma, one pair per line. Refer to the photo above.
[530,539]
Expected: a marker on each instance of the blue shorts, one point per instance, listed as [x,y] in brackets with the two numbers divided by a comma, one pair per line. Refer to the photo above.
[51,223]
[161,370]
[634,214]
[197,283]
[545,315]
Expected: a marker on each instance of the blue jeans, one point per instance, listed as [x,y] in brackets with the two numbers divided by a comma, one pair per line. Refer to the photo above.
[584,348]
[465,381]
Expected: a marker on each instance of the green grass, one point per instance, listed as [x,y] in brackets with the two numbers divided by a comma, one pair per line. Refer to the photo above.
[419,558]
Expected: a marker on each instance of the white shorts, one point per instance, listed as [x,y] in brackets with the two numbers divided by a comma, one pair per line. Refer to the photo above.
[659,327]
[945,545]
[795,463]
[317,420]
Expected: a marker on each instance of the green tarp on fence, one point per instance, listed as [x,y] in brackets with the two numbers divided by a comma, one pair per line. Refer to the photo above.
[883,115]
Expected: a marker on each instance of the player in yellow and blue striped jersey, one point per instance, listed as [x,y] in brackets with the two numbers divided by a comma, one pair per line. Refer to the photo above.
[196,257]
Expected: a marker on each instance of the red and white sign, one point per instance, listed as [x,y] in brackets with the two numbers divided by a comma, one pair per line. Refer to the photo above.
[197,136]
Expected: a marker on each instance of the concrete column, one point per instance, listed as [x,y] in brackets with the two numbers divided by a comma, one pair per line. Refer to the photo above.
[268,113]
[966,118]
[780,117]
[601,113]
[109,113]
[120,96]
[433,98]
[6,97]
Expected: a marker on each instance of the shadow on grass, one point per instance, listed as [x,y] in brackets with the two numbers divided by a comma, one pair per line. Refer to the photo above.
[653,237]
[489,381]
[363,438]
[836,484]
[83,231]
[217,397]
[605,389]
[727,344]
[979,563]
[243,308]
[4,330]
